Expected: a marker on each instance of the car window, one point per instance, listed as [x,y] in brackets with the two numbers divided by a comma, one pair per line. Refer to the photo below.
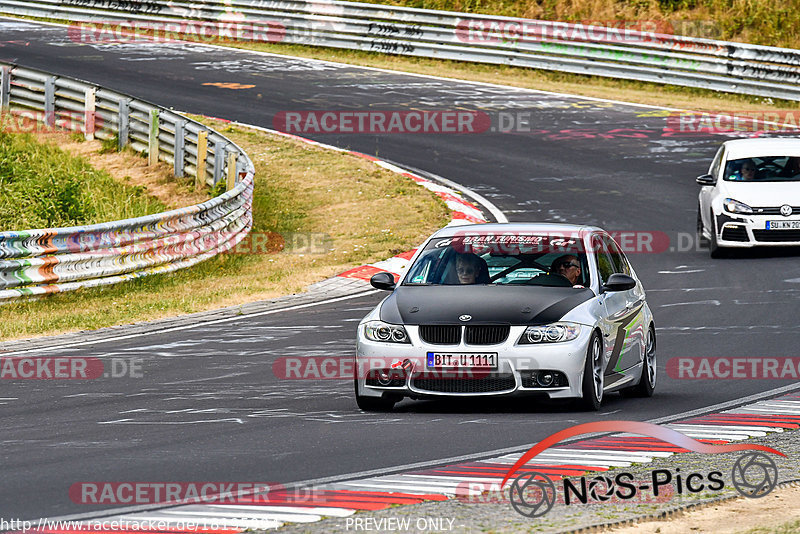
[765,169]
[605,264]
[713,170]
[618,260]
[500,260]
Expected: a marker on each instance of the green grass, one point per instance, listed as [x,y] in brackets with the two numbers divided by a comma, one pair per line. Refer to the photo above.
[41,186]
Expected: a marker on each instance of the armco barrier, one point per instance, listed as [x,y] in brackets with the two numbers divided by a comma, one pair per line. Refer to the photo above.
[37,262]
[635,55]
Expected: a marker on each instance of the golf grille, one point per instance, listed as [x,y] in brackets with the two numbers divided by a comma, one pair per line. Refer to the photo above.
[776,236]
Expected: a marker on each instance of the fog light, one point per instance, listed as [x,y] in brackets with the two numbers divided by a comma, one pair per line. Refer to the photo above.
[545,379]
[384,377]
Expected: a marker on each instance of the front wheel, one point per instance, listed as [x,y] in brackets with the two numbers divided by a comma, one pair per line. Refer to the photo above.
[593,380]
[647,381]
[384,403]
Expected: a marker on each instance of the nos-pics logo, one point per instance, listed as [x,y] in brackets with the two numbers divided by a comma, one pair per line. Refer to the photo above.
[533,494]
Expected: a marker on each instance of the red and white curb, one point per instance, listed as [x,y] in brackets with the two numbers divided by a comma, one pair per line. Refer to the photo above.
[463,480]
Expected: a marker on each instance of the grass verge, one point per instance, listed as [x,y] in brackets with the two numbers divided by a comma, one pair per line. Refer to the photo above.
[43,186]
[361,213]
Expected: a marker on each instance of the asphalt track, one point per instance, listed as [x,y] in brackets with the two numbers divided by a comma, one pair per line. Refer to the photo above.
[209,406]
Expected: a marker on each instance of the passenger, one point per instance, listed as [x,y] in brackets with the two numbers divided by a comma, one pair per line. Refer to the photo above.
[569,267]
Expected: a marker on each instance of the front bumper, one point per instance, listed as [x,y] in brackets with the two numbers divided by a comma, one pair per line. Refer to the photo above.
[746,231]
[515,374]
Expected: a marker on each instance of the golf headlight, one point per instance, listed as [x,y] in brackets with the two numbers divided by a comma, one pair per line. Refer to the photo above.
[550,333]
[734,206]
[385,332]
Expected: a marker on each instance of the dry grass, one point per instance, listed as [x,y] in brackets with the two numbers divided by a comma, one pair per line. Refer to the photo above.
[364,212]
[129,168]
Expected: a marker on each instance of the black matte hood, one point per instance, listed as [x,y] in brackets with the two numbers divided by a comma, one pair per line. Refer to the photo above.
[487,304]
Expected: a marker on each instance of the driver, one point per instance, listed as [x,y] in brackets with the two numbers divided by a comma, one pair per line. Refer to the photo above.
[569,267]
[748,170]
[792,168]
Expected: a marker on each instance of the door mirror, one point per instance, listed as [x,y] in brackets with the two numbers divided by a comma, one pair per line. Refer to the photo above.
[705,179]
[619,282]
[383,281]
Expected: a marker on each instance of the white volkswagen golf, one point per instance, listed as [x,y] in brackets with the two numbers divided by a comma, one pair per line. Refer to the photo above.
[751,195]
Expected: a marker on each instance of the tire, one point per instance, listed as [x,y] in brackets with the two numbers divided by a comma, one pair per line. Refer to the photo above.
[647,380]
[713,247]
[384,403]
[593,380]
[702,241]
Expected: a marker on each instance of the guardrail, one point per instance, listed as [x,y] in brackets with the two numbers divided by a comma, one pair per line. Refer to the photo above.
[628,54]
[38,262]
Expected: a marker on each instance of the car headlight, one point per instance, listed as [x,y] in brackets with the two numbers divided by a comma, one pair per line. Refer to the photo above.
[734,206]
[385,332]
[550,333]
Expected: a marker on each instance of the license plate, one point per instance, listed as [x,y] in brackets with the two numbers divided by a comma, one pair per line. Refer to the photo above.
[783,225]
[442,360]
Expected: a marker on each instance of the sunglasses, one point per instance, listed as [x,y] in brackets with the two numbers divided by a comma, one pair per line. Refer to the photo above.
[567,265]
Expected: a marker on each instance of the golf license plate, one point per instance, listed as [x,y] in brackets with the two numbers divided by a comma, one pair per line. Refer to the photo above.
[461,360]
[783,225]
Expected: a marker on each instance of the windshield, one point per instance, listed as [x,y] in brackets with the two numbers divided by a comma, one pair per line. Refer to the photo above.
[763,169]
[534,260]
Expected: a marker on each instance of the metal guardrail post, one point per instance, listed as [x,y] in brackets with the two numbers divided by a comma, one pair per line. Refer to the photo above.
[5,87]
[50,101]
[180,148]
[89,113]
[202,151]
[152,142]
[231,170]
[219,161]
[124,122]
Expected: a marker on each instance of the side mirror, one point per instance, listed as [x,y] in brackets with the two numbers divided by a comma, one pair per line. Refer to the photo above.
[619,282]
[383,281]
[705,179]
